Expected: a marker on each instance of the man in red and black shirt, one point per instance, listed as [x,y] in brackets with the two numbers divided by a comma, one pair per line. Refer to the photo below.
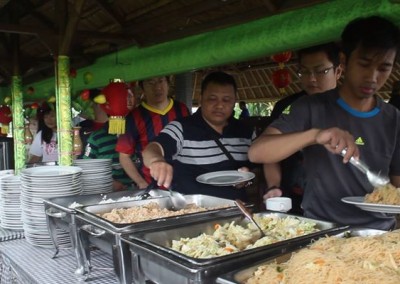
[143,125]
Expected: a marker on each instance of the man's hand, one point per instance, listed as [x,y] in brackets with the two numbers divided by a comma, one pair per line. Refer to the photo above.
[276,192]
[335,140]
[162,172]
[118,186]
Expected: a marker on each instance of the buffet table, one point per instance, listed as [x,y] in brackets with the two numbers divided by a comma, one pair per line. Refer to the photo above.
[23,263]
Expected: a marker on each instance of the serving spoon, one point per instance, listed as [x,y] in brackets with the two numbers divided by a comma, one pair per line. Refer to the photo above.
[375,179]
[248,215]
[177,199]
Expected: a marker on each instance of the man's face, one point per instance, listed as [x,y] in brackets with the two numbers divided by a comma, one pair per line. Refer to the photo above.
[155,90]
[367,71]
[130,101]
[318,74]
[217,103]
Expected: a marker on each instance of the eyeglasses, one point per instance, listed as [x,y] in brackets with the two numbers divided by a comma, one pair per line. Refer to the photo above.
[316,73]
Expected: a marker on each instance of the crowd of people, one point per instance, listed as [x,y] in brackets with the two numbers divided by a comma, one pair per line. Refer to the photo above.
[299,151]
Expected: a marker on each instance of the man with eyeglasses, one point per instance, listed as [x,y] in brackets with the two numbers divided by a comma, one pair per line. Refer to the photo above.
[352,118]
[143,125]
[319,70]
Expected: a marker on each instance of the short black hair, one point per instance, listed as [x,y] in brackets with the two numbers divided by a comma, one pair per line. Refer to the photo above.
[141,81]
[372,32]
[331,50]
[220,78]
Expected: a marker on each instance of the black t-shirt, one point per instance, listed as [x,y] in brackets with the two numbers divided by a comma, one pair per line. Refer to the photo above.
[377,134]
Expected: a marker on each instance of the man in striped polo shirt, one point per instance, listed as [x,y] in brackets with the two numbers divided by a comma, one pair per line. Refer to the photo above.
[189,147]
[144,123]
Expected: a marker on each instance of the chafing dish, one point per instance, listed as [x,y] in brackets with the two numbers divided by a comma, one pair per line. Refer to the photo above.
[106,235]
[154,260]
[60,215]
[245,272]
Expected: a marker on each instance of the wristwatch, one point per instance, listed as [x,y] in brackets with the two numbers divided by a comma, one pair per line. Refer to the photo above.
[271,188]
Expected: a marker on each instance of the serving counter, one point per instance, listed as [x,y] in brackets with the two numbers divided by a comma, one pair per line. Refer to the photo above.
[23,263]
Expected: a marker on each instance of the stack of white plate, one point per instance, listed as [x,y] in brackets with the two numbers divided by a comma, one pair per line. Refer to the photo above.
[41,183]
[96,175]
[10,204]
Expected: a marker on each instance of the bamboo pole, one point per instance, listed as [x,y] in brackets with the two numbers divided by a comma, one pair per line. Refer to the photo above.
[64,120]
[18,124]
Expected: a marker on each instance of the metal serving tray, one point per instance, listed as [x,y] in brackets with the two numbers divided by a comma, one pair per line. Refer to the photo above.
[106,235]
[60,215]
[154,260]
[90,212]
[242,275]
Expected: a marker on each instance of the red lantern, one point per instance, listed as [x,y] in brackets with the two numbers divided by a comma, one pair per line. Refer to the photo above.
[116,105]
[282,57]
[85,95]
[30,90]
[72,72]
[281,78]
[5,119]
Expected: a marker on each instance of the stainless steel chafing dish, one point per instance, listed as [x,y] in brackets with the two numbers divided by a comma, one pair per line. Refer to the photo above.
[242,275]
[60,215]
[106,235]
[154,260]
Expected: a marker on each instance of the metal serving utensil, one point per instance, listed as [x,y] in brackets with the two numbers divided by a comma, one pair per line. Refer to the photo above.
[375,179]
[248,215]
[146,194]
[177,199]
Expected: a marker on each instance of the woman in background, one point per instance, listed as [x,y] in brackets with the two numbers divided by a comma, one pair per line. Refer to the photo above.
[44,146]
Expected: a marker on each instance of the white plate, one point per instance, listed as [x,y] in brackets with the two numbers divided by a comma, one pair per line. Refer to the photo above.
[51,171]
[224,178]
[373,207]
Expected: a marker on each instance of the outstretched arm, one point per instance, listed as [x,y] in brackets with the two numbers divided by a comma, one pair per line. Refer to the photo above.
[131,170]
[273,146]
[160,170]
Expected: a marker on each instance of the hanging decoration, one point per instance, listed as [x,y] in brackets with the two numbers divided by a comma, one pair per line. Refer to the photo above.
[282,58]
[281,78]
[34,106]
[72,73]
[5,118]
[113,100]
[52,99]
[7,100]
[85,95]
[30,90]
[87,77]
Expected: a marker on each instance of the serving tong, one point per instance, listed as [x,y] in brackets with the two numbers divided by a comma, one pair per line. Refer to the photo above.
[177,199]
[375,179]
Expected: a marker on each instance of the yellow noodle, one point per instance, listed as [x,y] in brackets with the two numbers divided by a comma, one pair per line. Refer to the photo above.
[387,194]
[367,260]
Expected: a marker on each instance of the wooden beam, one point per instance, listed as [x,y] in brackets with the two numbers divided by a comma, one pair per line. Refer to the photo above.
[109,9]
[270,6]
[205,27]
[177,14]
[70,29]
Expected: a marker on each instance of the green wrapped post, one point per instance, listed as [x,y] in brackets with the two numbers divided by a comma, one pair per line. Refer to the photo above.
[64,120]
[18,125]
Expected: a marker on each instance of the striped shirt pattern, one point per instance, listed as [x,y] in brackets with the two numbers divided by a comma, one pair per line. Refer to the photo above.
[101,145]
[190,147]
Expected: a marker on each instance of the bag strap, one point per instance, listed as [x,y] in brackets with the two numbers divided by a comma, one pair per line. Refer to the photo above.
[230,157]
